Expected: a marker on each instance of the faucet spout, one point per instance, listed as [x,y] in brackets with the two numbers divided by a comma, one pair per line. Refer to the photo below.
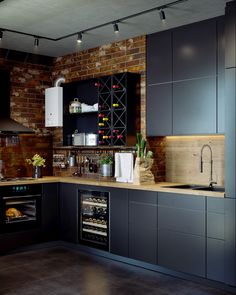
[211,160]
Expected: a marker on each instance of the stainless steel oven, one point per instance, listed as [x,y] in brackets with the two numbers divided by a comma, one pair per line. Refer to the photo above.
[20,207]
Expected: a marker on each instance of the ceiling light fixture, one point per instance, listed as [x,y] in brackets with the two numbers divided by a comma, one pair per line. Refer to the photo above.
[114,22]
[116,28]
[36,42]
[79,38]
[162,15]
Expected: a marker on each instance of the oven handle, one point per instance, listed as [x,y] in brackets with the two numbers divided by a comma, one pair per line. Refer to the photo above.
[24,196]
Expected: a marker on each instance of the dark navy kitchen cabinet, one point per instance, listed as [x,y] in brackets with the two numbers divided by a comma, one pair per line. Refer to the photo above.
[194,51]
[181,233]
[230,35]
[193,101]
[159,58]
[143,225]
[119,221]
[50,211]
[159,109]
[69,212]
[194,106]
[215,238]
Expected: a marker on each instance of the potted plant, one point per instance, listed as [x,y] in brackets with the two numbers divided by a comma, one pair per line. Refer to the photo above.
[106,162]
[37,162]
[143,162]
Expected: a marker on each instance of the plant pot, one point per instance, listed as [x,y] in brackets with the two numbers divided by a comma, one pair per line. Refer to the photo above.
[37,172]
[106,170]
[142,171]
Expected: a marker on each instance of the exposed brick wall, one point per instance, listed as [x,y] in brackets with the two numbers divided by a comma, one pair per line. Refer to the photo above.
[28,82]
[124,56]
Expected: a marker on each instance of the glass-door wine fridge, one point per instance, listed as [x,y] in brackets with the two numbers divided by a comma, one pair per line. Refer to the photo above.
[94,219]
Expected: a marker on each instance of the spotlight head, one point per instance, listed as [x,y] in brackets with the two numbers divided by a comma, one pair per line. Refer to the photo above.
[162,15]
[79,38]
[36,42]
[116,28]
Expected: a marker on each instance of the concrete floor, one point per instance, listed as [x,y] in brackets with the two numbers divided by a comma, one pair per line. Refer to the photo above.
[60,271]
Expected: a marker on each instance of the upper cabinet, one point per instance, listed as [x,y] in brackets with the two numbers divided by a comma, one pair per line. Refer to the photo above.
[115,116]
[185,80]
[159,58]
[194,51]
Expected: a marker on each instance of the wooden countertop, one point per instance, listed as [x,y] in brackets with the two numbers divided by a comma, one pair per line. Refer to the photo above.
[157,187]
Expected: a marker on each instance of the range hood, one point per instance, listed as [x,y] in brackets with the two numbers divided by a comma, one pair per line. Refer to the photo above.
[8,125]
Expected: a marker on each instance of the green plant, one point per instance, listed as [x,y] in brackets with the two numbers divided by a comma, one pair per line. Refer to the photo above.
[36,160]
[106,159]
[141,149]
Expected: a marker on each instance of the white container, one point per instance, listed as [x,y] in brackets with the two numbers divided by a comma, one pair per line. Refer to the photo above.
[91,139]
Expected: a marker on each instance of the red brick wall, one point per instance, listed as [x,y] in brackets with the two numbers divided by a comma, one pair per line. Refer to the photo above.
[28,82]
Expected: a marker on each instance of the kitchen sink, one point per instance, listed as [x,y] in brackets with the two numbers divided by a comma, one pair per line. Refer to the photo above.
[197,187]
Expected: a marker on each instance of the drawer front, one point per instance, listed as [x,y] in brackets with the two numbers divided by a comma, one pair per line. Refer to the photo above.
[142,196]
[181,220]
[181,201]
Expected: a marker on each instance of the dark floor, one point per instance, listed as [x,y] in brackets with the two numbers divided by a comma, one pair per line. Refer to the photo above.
[63,271]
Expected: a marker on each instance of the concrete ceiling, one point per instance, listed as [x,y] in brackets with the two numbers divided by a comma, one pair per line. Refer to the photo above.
[57,18]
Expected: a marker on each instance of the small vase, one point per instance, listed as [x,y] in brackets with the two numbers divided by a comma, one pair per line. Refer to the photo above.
[37,172]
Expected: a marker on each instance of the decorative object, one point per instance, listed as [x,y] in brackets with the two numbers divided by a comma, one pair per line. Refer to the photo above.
[143,163]
[106,162]
[37,162]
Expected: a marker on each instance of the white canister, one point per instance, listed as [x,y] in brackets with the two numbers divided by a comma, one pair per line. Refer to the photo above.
[91,139]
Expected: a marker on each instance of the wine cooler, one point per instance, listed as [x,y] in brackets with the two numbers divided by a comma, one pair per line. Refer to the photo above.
[94,219]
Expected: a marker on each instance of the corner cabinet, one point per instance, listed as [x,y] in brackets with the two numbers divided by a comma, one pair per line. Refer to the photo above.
[117,119]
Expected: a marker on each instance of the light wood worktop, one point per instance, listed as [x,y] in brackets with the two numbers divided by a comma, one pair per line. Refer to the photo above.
[158,187]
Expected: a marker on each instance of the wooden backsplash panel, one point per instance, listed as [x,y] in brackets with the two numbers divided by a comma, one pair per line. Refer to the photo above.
[183,157]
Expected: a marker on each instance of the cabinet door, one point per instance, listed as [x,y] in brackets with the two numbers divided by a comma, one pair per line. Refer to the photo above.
[181,233]
[50,211]
[159,57]
[194,51]
[119,221]
[194,106]
[69,212]
[143,225]
[230,35]
[159,109]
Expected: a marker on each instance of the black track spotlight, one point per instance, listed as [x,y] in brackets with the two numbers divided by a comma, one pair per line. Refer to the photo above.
[36,42]
[162,15]
[116,28]
[1,35]
[79,38]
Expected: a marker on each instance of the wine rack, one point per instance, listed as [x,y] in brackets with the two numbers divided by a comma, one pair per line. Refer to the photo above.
[94,219]
[118,96]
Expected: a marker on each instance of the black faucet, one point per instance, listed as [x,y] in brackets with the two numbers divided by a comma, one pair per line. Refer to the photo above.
[211,162]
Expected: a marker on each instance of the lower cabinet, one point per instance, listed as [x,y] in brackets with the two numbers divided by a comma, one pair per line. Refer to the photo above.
[119,221]
[181,233]
[69,212]
[143,225]
[50,211]
[215,238]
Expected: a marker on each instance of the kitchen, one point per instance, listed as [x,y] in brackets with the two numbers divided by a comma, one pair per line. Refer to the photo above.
[28,83]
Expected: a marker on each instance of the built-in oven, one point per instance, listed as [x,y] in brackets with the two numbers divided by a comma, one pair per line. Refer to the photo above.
[20,207]
[94,219]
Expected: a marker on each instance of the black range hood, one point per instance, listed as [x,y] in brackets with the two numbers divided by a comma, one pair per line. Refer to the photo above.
[8,126]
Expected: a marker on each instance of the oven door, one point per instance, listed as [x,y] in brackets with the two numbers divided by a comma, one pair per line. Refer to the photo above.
[19,213]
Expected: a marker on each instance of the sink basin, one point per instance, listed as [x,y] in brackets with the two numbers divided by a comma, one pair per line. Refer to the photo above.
[197,187]
[211,189]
